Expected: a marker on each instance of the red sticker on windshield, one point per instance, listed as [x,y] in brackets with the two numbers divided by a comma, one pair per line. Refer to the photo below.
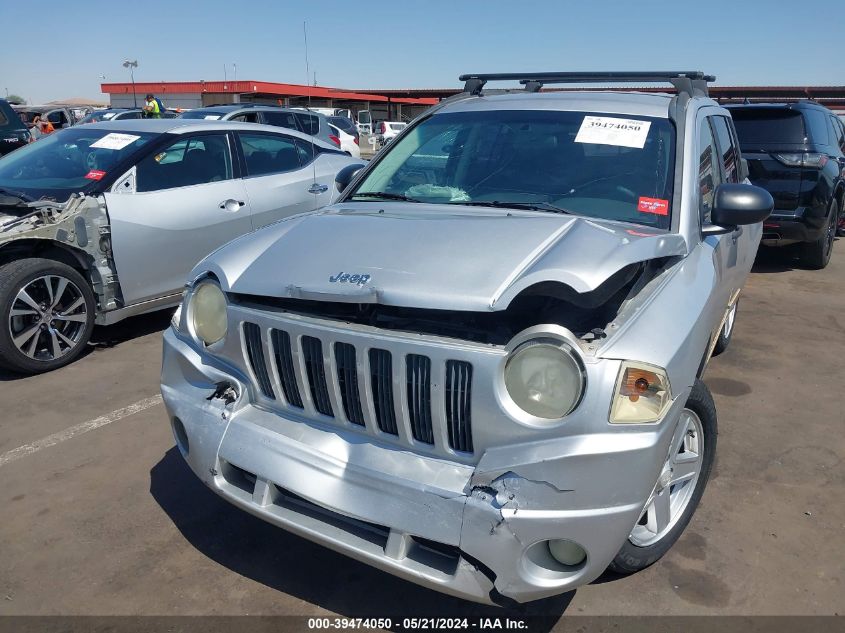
[657,206]
[95,174]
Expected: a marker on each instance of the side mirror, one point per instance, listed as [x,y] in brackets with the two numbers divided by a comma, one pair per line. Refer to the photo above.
[346,176]
[735,205]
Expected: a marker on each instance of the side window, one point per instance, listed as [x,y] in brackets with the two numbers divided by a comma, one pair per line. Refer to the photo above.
[196,160]
[307,151]
[708,171]
[269,154]
[308,123]
[727,149]
[838,132]
[57,118]
[817,124]
[281,119]
[246,117]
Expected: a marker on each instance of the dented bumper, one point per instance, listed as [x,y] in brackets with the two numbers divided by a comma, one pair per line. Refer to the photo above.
[477,531]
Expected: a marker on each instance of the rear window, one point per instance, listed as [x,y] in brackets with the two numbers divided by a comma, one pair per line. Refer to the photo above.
[765,126]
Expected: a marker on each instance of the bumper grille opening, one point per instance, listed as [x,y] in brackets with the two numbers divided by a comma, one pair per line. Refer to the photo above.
[284,365]
[442,557]
[347,377]
[381,374]
[419,397]
[237,477]
[312,349]
[458,399]
[255,355]
[372,532]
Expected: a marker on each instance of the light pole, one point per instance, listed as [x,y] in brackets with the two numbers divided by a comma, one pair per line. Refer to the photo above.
[131,65]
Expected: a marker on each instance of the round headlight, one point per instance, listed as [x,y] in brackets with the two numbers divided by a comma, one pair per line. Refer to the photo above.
[208,312]
[544,379]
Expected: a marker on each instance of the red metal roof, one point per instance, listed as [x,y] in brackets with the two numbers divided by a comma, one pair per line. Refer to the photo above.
[259,87]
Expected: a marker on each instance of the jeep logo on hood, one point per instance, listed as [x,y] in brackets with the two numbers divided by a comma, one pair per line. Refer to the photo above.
[343,278]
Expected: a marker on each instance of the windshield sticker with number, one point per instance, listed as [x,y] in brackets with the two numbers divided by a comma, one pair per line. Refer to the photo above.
[115,141]
[604,130]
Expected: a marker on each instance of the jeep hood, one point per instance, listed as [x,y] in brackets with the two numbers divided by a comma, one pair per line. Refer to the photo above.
[437,257]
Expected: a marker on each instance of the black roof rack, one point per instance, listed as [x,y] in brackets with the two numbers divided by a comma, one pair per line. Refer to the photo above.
[692,82]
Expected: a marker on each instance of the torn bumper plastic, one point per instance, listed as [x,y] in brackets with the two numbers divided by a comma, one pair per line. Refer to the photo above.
[478,532]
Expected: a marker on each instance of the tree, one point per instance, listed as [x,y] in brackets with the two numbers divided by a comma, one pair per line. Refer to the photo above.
[15,99]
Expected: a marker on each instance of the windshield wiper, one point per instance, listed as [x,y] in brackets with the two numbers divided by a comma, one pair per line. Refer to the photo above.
[530,206]
[384,195]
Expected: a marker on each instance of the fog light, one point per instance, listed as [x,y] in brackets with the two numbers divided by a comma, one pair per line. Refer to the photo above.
[567,552]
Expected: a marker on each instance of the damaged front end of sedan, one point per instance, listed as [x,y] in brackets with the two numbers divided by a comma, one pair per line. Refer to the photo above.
[75,232]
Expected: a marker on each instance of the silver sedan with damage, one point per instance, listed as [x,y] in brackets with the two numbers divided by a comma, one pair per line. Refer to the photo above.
[480,370]
[103,221]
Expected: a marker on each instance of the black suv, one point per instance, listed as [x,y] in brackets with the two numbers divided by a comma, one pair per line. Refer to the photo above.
[797,152]
[13,133]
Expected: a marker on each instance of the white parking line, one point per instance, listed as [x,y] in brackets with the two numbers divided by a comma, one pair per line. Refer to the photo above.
[78,429]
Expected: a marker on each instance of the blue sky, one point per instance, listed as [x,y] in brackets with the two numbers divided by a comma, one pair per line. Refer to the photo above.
[400,44]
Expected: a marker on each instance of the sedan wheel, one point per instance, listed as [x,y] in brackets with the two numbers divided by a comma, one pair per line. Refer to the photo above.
[47,315]
[48,318]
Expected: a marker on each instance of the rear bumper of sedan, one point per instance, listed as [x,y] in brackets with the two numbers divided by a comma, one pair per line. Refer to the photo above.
[466,530]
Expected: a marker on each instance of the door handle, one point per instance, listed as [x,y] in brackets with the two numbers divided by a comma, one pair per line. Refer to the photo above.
[232,205]
[318,188]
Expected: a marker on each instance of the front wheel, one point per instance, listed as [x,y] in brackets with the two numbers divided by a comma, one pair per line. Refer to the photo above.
[46,315]
[679,486]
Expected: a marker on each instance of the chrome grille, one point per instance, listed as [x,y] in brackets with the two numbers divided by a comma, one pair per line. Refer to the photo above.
[411,399]
[284,365]
[419,397]
[458,397]
[381,375]
[255,355]
[347,378]
[312,350]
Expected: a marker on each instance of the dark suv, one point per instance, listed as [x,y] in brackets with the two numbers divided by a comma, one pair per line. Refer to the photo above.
[13,133]
[797,152]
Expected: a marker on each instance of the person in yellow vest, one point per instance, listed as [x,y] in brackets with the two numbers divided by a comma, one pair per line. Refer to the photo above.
[151,107]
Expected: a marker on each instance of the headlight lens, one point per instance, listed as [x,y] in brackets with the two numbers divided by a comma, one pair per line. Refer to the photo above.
[544,379]
[642,394]
[208,312]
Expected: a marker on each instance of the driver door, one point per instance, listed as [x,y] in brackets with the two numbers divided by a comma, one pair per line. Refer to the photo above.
[171,210]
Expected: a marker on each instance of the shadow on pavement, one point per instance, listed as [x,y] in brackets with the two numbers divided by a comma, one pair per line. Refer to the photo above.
[253,548]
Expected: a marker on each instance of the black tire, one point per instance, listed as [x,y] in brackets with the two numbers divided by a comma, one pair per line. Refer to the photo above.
[726,332]
[816,254]
[632,558]
[17,275]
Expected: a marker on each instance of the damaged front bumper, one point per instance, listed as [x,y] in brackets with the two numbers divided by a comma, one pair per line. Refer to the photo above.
[479,532]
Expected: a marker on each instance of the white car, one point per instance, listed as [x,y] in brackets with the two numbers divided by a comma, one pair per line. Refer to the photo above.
[388,130]
[348,142]
[101,222]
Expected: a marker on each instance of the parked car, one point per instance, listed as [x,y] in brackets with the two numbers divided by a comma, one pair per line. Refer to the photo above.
[388,130]
[349,143]
[311,123]
[102,221]
[480,370]
[797,152]
[113,114]
[13,132]
[61,117]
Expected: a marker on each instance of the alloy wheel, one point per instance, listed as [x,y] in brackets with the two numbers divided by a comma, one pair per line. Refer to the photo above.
[48,318]
[675,485]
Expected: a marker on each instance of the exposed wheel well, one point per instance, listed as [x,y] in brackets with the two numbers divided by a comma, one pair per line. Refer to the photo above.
[46,249]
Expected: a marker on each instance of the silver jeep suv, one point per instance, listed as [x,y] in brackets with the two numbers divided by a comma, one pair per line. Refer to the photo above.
[480,370]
